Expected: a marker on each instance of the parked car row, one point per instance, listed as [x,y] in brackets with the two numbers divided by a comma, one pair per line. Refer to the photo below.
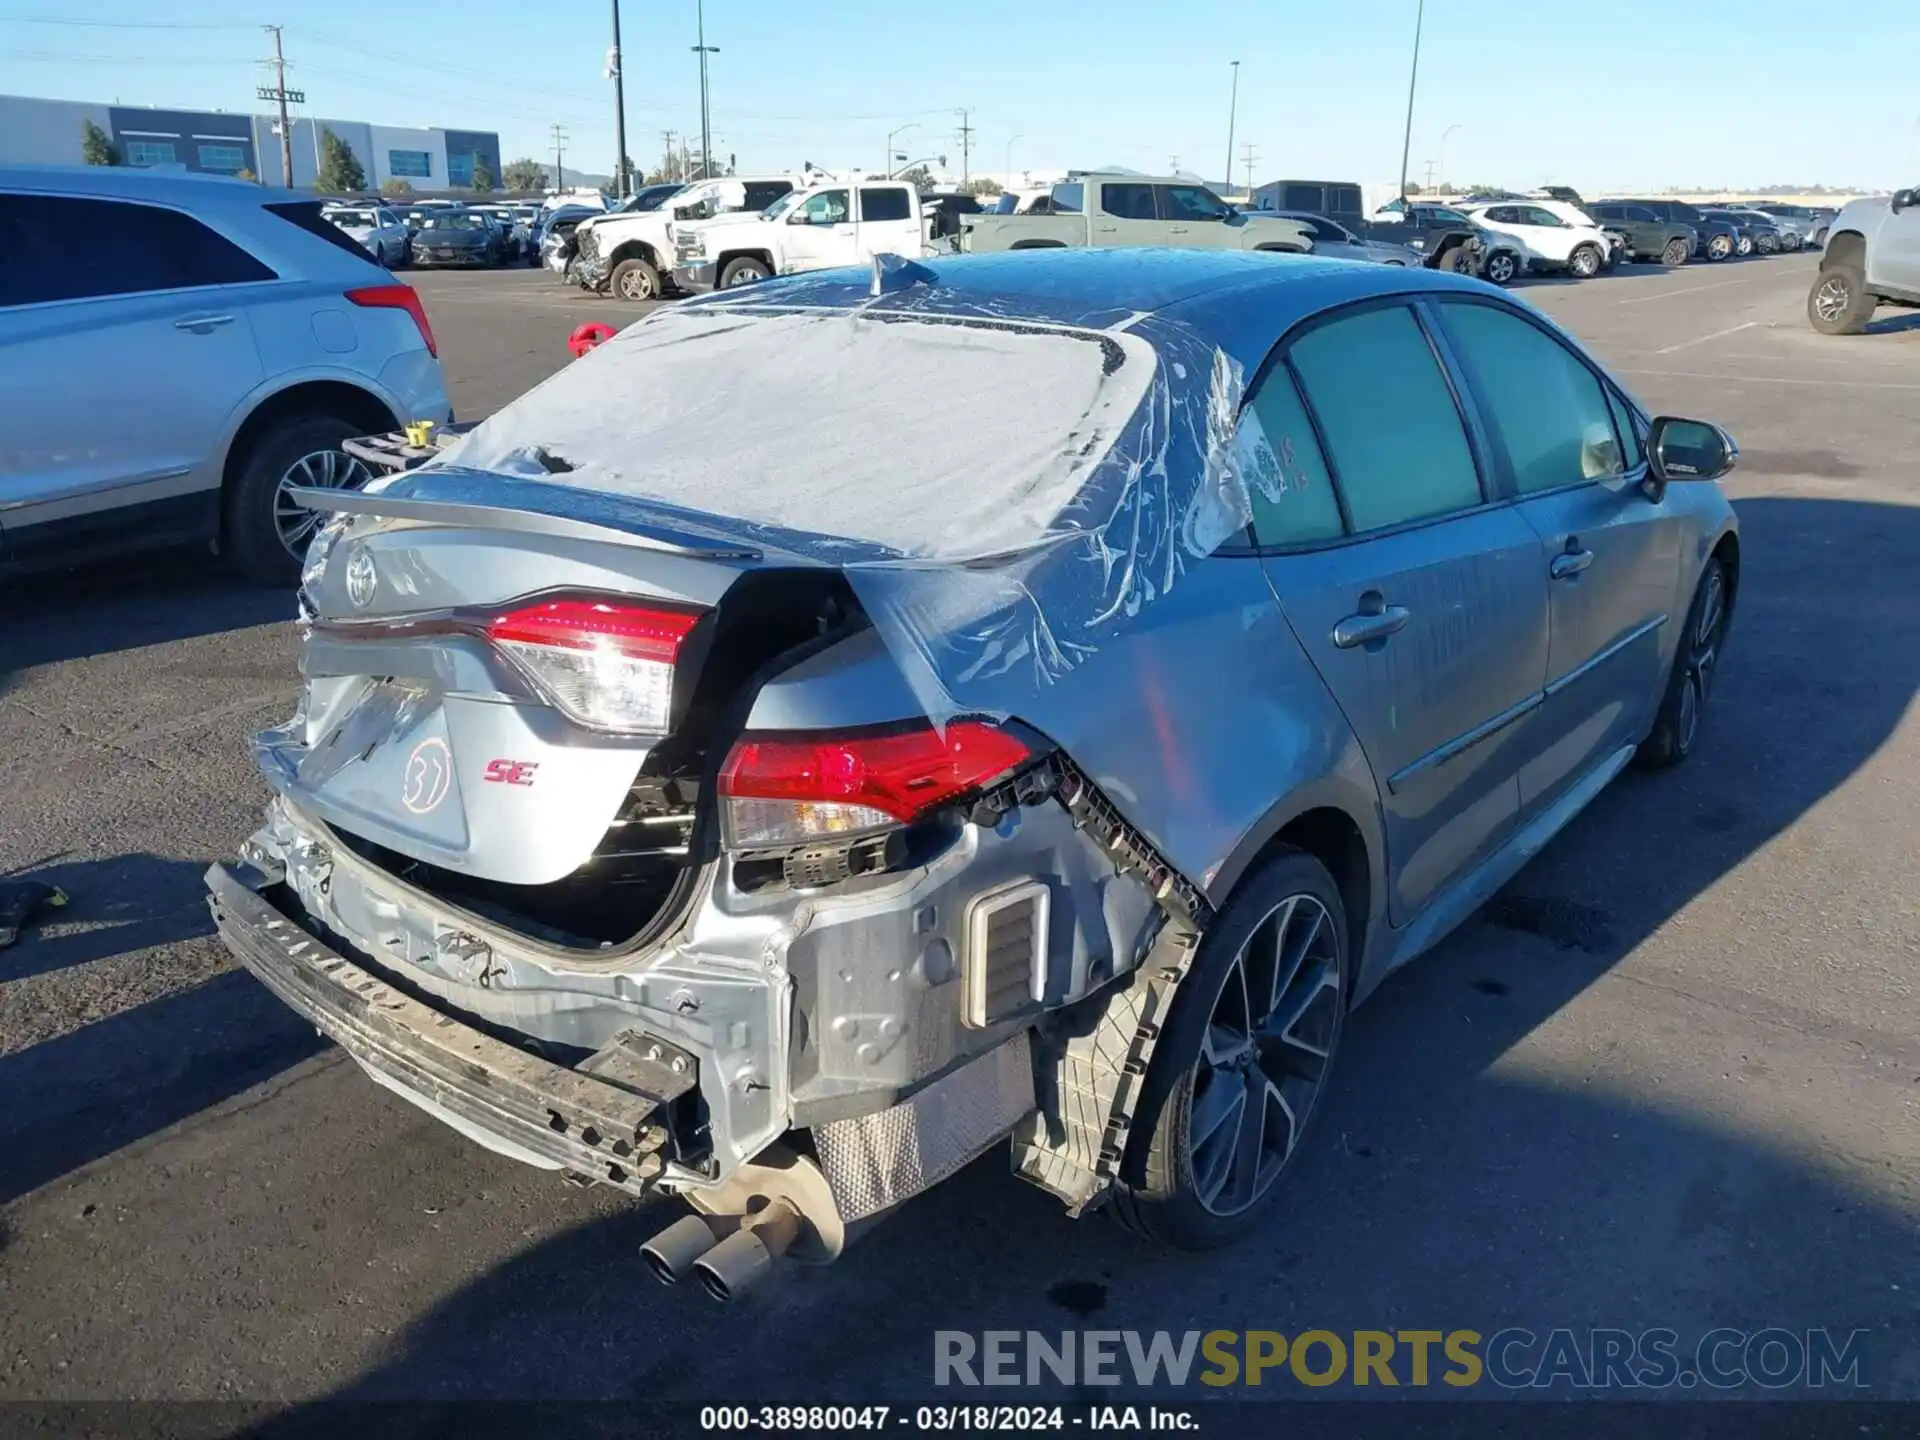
[439,232]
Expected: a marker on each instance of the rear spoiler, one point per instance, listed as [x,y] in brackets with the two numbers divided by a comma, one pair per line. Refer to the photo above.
[536,509]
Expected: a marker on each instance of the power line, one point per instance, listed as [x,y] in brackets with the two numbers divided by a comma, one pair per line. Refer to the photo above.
[116,24]
[69,57]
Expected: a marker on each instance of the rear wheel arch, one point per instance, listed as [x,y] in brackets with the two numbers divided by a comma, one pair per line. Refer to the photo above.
[309,398]
[1330,831]
[1848,247]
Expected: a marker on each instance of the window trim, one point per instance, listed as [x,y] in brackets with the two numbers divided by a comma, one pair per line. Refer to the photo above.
[1281,354]
[1503,461]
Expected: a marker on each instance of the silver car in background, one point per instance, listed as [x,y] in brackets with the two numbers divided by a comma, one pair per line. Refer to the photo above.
[383,234]
[170,377]
[1333,241]
[696,787]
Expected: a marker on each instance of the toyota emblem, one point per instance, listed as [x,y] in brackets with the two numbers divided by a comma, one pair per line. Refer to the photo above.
[362,579]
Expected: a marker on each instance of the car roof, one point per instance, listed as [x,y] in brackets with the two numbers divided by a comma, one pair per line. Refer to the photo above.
[1240,300]
[125,182]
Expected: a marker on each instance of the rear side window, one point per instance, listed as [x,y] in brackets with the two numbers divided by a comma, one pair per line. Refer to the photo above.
[1549,411]
[1345,199]
[1128,202]
[1393,432]
[1279,457]
[305,215]
[885,202]
[1303,197]
[64,248]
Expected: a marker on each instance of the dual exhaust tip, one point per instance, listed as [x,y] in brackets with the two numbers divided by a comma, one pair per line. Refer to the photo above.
[726,1267]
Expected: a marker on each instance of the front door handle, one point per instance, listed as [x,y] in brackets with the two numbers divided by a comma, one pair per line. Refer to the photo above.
[1570,564]
[202,324]
[1370,625]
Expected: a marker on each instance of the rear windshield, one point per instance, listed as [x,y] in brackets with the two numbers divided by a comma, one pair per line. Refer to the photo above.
[814,453]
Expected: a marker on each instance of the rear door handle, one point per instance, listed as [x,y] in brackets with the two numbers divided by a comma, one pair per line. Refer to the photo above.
[202,324]
[1370,625]
[1570,564]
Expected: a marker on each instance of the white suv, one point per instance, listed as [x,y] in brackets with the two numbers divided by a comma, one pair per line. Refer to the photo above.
[1557,236]
[176,352]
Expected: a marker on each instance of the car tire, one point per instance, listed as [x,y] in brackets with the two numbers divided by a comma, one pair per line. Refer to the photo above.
[744,270]
[1453,261]
[1501,268]
[1585,262]
[1676,253]
[1719,247]
[255,507]
[634,280]
[1676,728]
[1767,244]
[1745,247]
[1839,302]
[1182,1181]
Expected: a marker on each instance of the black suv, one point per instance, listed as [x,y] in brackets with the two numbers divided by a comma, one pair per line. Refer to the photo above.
[1671,242]
[1714,239]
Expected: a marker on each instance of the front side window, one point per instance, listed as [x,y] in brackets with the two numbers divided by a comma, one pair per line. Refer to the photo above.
[131,249]
[885,202]
[1286,475]
[1128,202]
[1549,410]
[829,207]
[150,152]
[1394,435]
[1190,202]
[1534,215]
[1069,199]
[412,164]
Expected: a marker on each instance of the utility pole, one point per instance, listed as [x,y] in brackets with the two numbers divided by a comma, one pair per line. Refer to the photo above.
[1429,188]
[1413,79]
[966,143]
[620,186]
[1248,148]
[1233,113]
[559,153]
[706,115]
[279,93]
[672,171]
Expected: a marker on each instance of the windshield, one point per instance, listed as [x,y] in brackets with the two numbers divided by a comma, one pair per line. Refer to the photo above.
[781,206]
[452,222]
[363,219]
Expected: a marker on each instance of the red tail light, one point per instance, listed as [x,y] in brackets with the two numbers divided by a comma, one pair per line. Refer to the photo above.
[794,791]
[606,665]
[397,297]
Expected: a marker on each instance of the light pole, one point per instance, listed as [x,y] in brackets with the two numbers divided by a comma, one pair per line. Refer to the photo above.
[706,118]
[1406,144]
[1010,140]
[620,187]
[901,130]
[1443,150]
[1233,113]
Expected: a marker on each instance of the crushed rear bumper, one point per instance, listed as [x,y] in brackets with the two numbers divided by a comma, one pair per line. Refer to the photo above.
[607,1121]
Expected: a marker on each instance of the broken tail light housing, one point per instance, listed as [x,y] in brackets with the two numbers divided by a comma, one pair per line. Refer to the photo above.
[602,663]
[786,790]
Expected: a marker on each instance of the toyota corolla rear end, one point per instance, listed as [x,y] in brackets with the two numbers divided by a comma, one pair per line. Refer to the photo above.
[614,834]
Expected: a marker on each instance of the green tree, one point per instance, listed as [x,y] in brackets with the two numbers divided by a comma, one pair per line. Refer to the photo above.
[397,187]
[524,175]
[95,147]
[246,175]
[340,170]
[482,177]
[981,185]
[919,177]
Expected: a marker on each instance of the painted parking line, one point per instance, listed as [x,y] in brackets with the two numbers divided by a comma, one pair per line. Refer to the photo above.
[1744,378]
[1703,339]
[1695,289]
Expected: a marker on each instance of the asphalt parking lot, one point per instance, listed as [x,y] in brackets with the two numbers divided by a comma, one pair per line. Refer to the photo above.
[1671,1078]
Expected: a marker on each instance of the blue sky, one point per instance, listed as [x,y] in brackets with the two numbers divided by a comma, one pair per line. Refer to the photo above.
[1622,94]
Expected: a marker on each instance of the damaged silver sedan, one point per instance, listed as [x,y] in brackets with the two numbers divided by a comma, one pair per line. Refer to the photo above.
[840,726]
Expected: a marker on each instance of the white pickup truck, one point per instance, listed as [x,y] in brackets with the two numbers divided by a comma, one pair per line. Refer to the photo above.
[631,254]
[814,229]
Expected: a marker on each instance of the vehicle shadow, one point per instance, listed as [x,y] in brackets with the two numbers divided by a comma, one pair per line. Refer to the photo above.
[114,907]
[1896,324]
[1444,1186]
[104,608]
[89,1092]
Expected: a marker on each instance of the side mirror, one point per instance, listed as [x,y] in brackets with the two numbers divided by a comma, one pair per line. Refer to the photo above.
[1902,199]
[1690,450]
